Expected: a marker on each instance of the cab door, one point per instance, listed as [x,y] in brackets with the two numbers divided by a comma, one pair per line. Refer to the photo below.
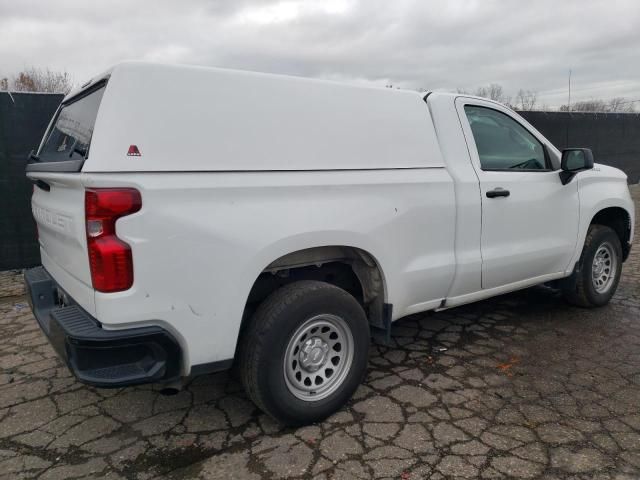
[529,219]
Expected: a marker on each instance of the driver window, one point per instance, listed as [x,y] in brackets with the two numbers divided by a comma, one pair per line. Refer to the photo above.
[502,143]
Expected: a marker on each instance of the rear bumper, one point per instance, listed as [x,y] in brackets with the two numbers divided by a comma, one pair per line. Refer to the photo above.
[99,357]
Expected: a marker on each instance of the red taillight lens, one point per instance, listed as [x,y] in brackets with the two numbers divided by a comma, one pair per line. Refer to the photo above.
[110,258]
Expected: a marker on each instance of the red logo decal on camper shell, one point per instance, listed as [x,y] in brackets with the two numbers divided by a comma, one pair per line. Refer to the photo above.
[133,151]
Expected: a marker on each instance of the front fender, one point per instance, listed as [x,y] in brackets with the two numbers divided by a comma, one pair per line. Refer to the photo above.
[598,189]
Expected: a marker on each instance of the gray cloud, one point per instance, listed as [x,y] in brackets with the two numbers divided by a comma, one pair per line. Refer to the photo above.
[410,43]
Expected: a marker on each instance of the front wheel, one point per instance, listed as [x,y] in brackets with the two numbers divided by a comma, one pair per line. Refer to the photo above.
[598,270]
[305,352]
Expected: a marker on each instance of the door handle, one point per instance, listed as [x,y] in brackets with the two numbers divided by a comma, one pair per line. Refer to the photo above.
[498,192]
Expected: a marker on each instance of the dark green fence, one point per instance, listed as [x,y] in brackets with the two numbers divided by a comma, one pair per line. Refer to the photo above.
[614,139]
[23,119]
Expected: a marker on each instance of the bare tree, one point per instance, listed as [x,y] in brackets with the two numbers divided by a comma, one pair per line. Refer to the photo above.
[38,80]
[615,105]
[621,105]
[526,100]
[24,83]
[493,92]
[590,106]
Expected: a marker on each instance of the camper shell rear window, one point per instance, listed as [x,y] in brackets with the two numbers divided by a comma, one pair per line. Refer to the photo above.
[66,144]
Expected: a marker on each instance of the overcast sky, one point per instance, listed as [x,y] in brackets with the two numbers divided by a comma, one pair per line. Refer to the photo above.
[435,45]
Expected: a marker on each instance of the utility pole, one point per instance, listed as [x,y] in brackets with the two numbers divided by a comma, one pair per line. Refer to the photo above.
[569,109]
[569,102]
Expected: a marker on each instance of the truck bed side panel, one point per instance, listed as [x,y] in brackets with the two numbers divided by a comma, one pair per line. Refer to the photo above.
[201,240]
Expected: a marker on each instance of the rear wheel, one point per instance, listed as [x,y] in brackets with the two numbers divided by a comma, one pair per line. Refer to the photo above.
[598,270]
[305,352]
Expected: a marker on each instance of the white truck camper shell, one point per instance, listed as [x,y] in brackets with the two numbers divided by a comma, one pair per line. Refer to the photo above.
[210,119]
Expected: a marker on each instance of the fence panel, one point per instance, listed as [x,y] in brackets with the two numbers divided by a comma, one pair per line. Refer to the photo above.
[613,137]
[23,119]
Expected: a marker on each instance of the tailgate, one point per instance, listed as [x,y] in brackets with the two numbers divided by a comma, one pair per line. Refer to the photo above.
[58,198]
[59,214]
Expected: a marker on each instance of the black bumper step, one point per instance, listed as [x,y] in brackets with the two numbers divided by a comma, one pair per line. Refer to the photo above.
[99,357]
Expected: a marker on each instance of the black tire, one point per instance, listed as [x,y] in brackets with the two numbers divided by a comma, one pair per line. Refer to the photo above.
[267,338]
[580,289]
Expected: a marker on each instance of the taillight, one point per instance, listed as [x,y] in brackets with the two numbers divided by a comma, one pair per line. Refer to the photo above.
[110,258]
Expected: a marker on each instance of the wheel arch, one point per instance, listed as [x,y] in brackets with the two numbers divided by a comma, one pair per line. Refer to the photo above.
[619,220]
[352,268]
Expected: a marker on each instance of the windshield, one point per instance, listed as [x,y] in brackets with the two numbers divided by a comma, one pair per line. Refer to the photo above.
[70,135]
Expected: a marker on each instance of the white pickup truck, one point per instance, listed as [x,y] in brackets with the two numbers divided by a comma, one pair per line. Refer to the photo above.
[192,217]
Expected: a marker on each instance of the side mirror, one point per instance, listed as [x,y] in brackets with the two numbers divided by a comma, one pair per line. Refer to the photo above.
[575,160]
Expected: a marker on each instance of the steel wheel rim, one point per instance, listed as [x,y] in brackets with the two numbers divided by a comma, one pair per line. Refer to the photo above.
[604,268]
[318,357]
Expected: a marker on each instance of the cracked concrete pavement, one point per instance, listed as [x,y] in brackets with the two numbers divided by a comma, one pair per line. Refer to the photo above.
[520,386]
